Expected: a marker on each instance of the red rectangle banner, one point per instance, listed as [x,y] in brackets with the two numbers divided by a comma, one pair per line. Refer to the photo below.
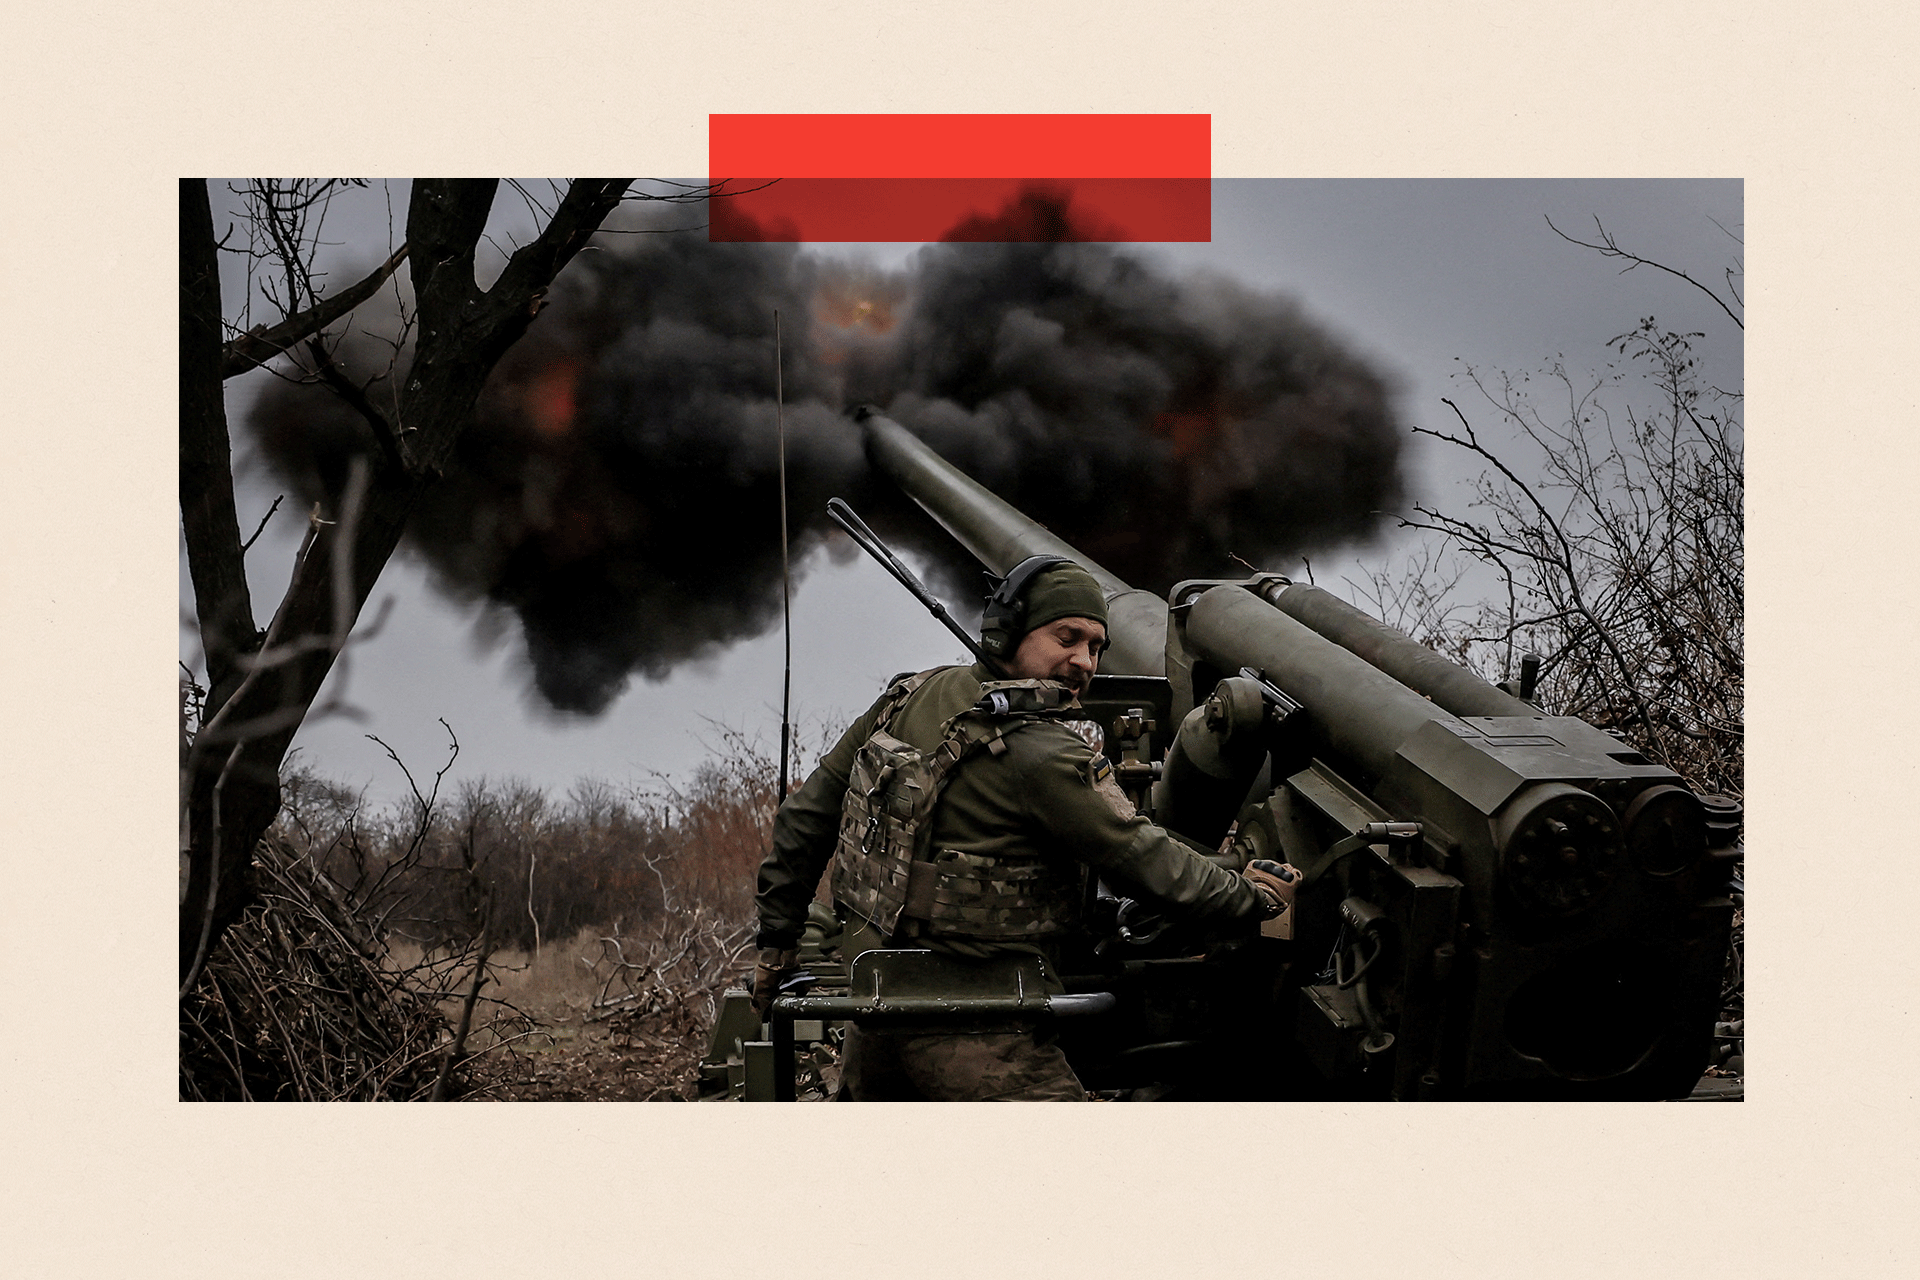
[919,178]
[955,146]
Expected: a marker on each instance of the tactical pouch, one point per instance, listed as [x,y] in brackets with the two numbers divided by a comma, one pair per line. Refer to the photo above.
[1001,899]
[882,869]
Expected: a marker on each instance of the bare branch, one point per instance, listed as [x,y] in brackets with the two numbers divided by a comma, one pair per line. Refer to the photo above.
[1630,585]
[1609,248]
[262,526]
[1565,563]
[263,342]
[391,446]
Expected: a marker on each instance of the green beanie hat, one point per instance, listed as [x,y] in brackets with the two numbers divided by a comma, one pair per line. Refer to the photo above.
[1064,591]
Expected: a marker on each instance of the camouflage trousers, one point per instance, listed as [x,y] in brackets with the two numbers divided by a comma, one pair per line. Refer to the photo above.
[995,1066]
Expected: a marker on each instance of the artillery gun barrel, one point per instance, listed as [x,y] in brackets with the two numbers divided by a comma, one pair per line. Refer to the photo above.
[1405,659]
[1000,537]
[1365,713]
[1592,882]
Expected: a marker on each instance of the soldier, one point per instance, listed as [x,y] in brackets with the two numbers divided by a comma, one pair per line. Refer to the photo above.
[972,811]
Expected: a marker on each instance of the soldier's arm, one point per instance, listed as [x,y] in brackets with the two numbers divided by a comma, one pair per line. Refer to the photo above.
[804,832]
[1079,805]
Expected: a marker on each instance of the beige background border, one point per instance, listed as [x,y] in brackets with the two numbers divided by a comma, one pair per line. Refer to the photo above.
[107,106]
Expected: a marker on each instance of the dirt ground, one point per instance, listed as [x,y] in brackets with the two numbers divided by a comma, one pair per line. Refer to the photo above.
[559,1026]
[570,1058]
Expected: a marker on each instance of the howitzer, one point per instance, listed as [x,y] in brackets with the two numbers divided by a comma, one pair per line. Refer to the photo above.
[1499,903]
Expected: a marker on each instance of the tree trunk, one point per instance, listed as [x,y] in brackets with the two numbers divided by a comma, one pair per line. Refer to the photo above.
[252,715]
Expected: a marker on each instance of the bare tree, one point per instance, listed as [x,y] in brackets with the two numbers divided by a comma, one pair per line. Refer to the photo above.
[1617,529]
[261,683]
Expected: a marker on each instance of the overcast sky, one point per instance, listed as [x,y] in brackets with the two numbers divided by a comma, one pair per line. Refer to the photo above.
[1417,275]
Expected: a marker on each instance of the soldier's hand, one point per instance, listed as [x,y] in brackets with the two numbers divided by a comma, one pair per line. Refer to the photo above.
[768,973]
[1275,882]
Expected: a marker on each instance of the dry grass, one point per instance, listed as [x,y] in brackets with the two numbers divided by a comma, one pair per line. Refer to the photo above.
[595,976]
[595,1017]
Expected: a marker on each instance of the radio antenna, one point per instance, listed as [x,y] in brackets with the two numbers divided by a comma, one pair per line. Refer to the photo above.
[856,528]
[786,577]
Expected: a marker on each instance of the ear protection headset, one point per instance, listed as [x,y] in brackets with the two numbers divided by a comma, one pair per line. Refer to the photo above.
[1004,620]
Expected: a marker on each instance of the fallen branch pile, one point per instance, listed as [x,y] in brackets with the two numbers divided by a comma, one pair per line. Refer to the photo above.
[299,1002]
[663,1045]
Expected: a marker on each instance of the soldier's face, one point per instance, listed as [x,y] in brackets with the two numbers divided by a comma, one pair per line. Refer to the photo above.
[1067,650]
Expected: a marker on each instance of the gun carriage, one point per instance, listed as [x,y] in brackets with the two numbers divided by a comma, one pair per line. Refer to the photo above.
[1498,903]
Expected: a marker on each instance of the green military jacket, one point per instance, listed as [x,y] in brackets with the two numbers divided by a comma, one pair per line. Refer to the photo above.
[1045,794]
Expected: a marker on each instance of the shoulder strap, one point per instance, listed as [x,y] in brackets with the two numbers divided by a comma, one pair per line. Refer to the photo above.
[1023,697]
[902,688]
[1005,706]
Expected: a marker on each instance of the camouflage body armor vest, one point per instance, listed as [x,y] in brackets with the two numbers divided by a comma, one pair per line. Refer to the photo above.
[884,865]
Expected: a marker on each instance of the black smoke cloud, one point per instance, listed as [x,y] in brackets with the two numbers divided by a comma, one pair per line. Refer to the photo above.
[618,490]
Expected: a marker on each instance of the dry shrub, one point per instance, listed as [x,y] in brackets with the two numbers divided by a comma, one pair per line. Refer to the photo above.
[1620,563]
[624,861]
[300,1002]
[624,909]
